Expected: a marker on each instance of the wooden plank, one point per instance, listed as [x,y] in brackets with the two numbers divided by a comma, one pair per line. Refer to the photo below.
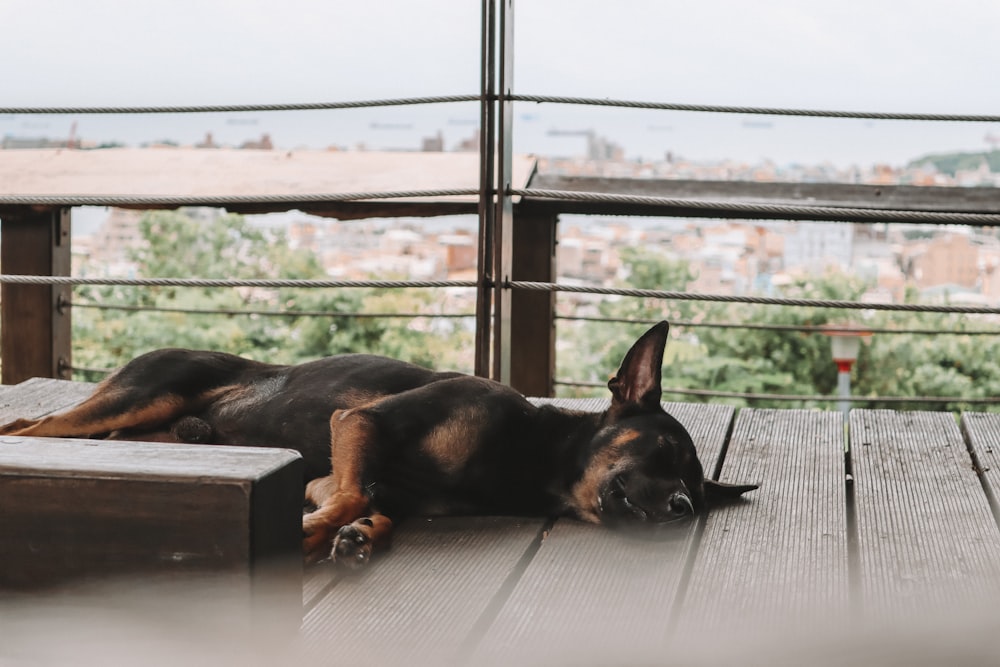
[420,600]
[38,397]
[581,404]
[853,195]
[591,591]
[91,508]
[926,536]
[780,556]
[316,579]
[982,432]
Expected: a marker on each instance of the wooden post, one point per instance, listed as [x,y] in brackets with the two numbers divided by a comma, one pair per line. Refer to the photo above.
[532,318]
[35,334]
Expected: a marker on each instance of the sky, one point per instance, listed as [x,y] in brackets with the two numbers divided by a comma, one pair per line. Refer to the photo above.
[872,55]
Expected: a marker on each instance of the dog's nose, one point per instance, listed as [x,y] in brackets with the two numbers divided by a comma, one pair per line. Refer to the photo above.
[680,504]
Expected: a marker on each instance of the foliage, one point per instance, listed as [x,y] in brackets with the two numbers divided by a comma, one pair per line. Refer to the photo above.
[739,358]
[755,361]
[930,365]
[594,350]
[774,361]
[179,245]
[950,163]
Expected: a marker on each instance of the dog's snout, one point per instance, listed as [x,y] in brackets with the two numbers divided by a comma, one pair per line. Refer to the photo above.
[628,498]
[680,504]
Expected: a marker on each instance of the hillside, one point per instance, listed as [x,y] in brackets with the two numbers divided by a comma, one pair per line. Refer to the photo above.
[949,163]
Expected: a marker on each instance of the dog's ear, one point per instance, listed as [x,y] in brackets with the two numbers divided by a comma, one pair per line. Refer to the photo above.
[720,493]
[638,379]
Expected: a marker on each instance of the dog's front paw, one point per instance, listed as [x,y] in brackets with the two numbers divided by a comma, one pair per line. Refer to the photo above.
[352,547]
[316,538]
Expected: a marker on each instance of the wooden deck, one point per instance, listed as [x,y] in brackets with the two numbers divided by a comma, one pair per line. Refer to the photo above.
[853,528]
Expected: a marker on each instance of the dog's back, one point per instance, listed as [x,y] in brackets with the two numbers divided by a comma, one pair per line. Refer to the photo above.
[290,406]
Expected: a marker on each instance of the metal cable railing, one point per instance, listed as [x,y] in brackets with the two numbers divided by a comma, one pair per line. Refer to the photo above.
[817,398]
[265,283]
[259,313]
[794,328]
[702,393]
[764,111]
[550,99]
[674,323]
[238,108]
[768,300]
[522,285]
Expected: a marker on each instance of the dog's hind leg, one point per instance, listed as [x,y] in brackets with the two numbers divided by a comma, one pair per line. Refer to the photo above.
[354,542]
[340,498]
[107,410]
[146,394]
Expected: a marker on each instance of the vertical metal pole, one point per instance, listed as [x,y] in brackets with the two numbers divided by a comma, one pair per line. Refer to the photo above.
[504,220]
[487,211]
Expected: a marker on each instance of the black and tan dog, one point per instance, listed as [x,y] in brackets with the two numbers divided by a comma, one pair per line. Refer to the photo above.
[406,440]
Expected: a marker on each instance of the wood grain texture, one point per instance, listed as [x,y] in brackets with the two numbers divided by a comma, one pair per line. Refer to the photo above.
[926,536]
[420,601]
[781,554]
[982,432]
[316,579]
[38,397]
[590,591]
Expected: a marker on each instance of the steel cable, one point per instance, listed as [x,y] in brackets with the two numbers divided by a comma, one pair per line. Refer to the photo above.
[230,282]
[710,393]
[238,108]
[763,111]
[549,99]
[775,301]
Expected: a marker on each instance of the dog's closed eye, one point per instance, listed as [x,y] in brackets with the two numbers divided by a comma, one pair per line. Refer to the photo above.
[618,486]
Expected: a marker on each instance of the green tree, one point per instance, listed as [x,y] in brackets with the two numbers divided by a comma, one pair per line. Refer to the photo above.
[935,365]
[594,349]
[762,361]
[179,245]
[773,361]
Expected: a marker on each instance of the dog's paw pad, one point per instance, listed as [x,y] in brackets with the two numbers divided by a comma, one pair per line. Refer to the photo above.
[351,547]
